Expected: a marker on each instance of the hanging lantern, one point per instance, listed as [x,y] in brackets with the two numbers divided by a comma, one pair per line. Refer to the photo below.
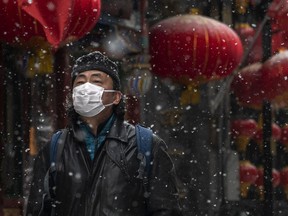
[193,49]
[18,27]
[257,82]
[284,180]
[56,21]
[246,34]
[242,130]
[276,134]
[248,176]
[274,79]
[276,178]
[247,87]
[278,12]
[284,137]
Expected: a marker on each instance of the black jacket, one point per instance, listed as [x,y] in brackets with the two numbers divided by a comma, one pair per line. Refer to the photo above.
[108,185]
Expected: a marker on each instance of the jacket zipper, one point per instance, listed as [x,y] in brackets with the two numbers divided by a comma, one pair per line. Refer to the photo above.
[85,162]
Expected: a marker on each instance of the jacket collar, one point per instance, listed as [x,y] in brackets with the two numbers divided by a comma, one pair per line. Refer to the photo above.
[120,131]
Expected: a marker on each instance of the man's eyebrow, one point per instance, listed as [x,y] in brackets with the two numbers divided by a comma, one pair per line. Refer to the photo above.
[80,75]
[96,75]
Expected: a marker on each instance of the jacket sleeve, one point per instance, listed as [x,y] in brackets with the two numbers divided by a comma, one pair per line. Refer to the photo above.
[41,165]
[163,199]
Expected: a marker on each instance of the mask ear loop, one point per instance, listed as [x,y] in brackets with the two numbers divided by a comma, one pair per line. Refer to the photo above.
[115,99]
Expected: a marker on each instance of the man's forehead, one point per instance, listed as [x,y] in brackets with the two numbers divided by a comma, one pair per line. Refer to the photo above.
[93,73]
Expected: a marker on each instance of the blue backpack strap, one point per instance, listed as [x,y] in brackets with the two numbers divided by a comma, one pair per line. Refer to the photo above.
[144,144]
[56,148]
[53,147]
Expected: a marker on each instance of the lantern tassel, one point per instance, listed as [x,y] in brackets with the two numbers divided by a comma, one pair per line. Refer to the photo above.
[190,96]
[40,62]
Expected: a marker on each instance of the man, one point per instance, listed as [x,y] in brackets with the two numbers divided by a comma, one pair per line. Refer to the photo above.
[99,164]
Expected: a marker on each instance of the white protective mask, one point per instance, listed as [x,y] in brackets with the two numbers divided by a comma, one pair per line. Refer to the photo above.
[87,99]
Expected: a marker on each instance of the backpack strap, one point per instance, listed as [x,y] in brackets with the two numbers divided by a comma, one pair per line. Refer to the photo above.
[54,146]
[144,144]
[56,149]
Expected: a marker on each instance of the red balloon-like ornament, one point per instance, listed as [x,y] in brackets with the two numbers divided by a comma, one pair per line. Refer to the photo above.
[193,48]
[55,21]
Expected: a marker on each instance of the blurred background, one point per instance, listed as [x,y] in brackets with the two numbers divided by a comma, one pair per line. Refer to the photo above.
[209,77]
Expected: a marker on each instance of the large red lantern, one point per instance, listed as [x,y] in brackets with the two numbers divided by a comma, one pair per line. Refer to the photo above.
[58,21]
[193,48]
[17,26]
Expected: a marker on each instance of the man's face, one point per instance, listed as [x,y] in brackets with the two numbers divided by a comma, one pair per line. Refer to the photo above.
[101,79]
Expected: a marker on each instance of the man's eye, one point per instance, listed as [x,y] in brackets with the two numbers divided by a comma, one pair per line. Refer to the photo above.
[79,83]
[96,81]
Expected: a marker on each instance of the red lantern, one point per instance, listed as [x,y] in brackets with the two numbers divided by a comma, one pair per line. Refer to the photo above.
[274,79]
[247,86]
[284,180]
[276,179]
[284,137]
[276,134]
[242,130]
[193,49]
[248,176]
[61,20]
[278,12]
[17,26]
[256,54]
[247,33]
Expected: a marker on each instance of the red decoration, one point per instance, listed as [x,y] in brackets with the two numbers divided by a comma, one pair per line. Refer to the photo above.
[284,180]
[248,172]
[17,26]
[284,136]
[277,45]
[242,130]
[276,133]
[275,177]
[274,79]
[247,33]
[61,20]
[248,176]
[278,12]
[193,48]
[257,82]
[284,176]
[247,86]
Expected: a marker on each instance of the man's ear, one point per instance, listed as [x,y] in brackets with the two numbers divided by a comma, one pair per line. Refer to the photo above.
[118,96]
